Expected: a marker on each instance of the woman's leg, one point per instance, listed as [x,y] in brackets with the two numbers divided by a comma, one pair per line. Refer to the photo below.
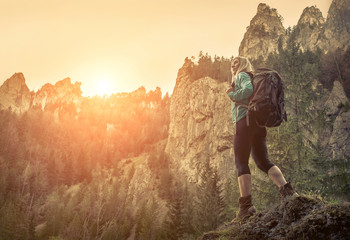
[242,146]
[276,176]
[245,184]
[260,155]
[259,150]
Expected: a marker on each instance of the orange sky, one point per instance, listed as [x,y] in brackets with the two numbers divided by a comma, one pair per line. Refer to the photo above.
[126,43]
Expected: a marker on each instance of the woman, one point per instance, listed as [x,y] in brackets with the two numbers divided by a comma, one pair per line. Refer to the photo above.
[249,138]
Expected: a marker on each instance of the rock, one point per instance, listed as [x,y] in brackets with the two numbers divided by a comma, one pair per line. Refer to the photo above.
[201,126]
[337,26]
[337,138]
[310,29]
[263,34]
[301,217]
[340,138]
[62,92]
[15,94]
[336,97]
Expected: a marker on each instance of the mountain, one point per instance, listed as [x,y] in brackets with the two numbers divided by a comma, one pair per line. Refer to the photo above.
[266,31]
[15,94]
[62,92]
[310,29]
[144,175]
[200,112]
[263,33]
[201,128]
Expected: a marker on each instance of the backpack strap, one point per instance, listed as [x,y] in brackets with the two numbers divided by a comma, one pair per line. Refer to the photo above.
[251,75]
[243,105]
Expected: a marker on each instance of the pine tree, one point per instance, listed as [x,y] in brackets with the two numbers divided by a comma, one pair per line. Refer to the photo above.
[175,223]
[209,206]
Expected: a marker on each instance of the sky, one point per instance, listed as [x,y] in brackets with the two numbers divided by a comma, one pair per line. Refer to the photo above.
[113,46]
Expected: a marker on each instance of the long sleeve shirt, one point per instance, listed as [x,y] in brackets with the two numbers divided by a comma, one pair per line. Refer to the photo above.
[242,91]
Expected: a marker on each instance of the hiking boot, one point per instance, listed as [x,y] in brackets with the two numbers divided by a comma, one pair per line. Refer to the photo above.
[246,209]
[287,190]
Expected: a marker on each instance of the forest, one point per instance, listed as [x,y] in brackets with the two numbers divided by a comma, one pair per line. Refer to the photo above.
[70,178]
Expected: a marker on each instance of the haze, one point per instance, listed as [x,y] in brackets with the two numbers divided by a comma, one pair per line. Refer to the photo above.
[123,44]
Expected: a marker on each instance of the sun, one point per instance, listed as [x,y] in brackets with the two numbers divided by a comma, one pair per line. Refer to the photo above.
[104,87]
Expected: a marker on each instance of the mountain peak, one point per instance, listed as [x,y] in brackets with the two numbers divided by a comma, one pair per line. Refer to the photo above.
[263,8]
[311,16]
[16,83]
[263,33]
[15,94]
[64,82]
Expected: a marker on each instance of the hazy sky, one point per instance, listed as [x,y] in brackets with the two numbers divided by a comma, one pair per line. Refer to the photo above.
[123,44]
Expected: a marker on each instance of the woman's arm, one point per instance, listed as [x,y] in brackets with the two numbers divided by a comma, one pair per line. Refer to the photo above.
[244,91]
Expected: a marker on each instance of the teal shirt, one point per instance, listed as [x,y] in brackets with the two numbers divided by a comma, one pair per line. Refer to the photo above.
[242,92]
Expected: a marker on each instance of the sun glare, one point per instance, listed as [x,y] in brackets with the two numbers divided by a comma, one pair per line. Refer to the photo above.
[104,87]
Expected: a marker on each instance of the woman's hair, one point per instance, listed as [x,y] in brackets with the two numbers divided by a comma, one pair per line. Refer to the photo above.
[244,65]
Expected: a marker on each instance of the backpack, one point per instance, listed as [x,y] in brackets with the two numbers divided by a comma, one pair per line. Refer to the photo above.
[266,104]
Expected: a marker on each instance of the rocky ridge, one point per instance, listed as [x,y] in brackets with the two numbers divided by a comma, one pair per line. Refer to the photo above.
[63,91]
[15,94]
[266,31]
[296,218]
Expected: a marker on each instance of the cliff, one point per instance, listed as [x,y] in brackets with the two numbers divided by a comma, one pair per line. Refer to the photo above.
[337,25]
[200,126]
[297,218]
[339,135]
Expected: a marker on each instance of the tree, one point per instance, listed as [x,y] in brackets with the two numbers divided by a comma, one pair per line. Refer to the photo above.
[209,202]
[175,224]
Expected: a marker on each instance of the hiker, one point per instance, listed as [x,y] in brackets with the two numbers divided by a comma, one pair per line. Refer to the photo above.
[249,138]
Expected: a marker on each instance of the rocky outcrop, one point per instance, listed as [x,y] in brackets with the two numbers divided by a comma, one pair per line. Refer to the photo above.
[337,26]
[302,217]
[263,34]
[14,94]
[337,138]
[62,92]
[310,29]
[200,128]
[340,138]
[311,32]
[336,97]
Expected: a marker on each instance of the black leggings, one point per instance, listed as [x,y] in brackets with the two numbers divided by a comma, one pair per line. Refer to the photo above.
[251,138]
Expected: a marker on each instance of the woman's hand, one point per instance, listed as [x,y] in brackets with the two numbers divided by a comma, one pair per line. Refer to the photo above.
[229,90]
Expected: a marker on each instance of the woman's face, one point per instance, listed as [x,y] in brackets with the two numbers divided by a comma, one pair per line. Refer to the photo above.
[234,66]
